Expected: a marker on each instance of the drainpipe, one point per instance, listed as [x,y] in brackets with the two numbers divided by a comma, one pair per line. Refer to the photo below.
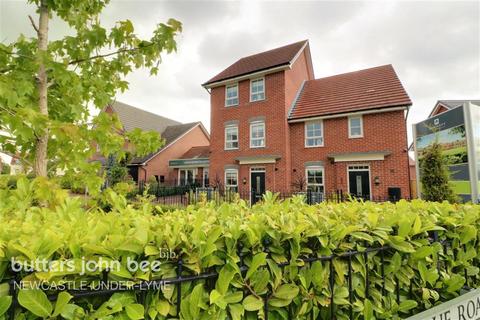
[408,158]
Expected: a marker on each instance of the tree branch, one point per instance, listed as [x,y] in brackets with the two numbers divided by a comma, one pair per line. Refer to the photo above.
[109,54]
[33,23]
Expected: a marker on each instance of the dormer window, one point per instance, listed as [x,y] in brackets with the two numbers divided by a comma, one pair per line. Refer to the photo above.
[231,95]
[257,90]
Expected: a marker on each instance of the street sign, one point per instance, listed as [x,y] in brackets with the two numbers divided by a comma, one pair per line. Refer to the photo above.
[464,307]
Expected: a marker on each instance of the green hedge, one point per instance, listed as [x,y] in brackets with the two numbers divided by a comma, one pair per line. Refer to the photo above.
[208,238]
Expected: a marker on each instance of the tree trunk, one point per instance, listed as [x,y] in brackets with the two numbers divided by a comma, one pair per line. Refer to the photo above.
[40,165]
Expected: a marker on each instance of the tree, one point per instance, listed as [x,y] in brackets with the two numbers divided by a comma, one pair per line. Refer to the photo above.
[49,90]
[434,175]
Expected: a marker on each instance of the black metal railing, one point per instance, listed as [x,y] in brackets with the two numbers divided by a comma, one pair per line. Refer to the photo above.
[371,280]
[181,196]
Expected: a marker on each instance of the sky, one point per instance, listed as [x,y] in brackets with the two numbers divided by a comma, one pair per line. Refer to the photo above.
[434,46]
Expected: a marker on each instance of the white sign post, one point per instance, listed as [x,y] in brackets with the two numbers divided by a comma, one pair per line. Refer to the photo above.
[464,307]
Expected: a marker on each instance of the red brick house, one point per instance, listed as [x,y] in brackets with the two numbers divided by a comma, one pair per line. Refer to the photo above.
[181,141]
[275,127]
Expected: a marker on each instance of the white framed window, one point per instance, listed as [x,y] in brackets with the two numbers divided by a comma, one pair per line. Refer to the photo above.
[257,134]
[315,179]
[231,180]
[231,137]
[355,127]
[257,90]
[231,95]
[186,177]
[314,134]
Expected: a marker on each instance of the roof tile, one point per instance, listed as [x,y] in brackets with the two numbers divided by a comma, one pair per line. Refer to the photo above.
[260,61]
[373,88]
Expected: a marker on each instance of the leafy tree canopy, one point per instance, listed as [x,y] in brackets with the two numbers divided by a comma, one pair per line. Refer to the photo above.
[50,90]
[435,176]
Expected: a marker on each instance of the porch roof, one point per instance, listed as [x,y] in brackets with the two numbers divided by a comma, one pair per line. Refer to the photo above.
[359,156]
[258,159]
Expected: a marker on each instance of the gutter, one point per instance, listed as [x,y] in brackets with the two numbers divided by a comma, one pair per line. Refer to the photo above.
[346,114]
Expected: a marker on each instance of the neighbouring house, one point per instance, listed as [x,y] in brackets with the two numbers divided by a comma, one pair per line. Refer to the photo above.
[445,105]
[275,127]
[180,139]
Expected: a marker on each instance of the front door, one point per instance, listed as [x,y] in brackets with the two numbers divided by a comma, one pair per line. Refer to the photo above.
[359,182]
[257,179]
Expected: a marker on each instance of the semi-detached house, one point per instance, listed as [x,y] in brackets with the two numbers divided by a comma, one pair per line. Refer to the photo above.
[275,127]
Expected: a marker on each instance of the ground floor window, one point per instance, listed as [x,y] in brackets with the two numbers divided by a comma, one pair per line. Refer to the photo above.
[186,177]
[315,179]
[231,180]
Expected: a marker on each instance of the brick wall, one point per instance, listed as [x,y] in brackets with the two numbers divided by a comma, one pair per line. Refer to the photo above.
[159,164]
[381,132]
[280,90]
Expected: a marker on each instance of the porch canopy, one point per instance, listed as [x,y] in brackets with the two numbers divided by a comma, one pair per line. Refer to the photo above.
[359,156]
[196,157]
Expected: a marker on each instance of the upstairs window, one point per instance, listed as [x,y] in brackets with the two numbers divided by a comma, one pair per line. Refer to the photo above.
[231,137]
[257,134]
[355,127]
[231,95]
[257,90]
[231,180]
[314,177]
[314,134]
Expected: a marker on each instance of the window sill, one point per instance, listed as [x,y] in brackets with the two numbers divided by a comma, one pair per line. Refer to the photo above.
[309,147]
[262,147]
[234,149]
[355,137]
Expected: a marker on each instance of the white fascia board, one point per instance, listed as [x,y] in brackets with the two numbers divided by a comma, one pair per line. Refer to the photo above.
[348,114]
[359,157]
[257,74]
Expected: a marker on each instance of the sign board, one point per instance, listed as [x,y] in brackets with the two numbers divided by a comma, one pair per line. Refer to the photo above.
[464,307]
[449,130]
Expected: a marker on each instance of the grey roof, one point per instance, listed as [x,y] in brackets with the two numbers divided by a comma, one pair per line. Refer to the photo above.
[132,118]
[170,134]
[456,103]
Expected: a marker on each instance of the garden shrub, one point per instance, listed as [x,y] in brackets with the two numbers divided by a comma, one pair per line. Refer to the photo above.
[258,252]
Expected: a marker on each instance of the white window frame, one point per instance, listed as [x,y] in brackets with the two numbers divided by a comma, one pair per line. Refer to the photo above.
[228,186]
[316,168]
[194,175]
[256,123]
[232,141]
[251,89]
[227,104]
[350,127]
[314,137]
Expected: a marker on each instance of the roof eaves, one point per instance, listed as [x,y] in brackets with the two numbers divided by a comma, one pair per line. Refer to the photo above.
[171,143]
[395,107]
[211,84]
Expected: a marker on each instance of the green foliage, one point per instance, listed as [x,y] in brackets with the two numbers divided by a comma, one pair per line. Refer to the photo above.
[5,168]
[217,238]
[85,69]
[435,176]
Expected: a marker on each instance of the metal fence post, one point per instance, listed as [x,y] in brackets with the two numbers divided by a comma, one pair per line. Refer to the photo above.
[332,289]
[179,286]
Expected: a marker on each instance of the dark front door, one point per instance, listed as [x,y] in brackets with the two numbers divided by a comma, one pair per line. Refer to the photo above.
[359,184]
[258,186]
